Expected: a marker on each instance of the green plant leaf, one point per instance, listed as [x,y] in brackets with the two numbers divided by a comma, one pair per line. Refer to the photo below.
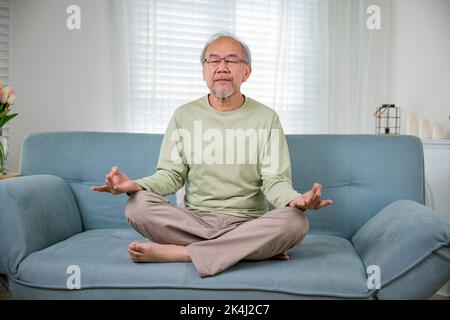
[3,113]
[6,118]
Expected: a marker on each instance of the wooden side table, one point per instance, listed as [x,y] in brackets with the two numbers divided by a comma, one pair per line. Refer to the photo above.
[9,175]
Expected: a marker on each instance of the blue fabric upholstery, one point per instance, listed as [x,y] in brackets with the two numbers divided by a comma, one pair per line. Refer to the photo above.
[361,173]
[86,159]
[416,232]
[50,219]
[36,212]
[102,257]
[399,224]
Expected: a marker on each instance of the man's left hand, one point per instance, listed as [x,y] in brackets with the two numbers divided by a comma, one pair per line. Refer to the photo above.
[310,199]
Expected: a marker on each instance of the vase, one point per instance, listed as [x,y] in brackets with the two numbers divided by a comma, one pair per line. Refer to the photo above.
[4,137]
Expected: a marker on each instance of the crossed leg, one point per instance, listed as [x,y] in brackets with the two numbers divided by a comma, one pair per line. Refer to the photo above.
[155,252]
[180,235]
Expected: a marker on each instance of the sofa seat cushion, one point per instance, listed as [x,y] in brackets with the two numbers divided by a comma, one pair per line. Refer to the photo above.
[322,265]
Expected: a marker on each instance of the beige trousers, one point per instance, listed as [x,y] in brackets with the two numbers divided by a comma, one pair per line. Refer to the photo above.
[215,241]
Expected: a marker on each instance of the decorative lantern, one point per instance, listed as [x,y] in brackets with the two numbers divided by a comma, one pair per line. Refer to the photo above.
[387,120]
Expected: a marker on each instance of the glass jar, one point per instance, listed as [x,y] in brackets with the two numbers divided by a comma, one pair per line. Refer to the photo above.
[4,141]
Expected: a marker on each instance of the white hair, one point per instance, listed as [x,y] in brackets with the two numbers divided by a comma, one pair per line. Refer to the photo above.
[224,34]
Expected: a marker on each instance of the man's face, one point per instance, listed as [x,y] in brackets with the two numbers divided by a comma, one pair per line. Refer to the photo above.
[224,79]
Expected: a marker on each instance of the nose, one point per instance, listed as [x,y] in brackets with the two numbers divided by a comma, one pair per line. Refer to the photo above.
[222,65]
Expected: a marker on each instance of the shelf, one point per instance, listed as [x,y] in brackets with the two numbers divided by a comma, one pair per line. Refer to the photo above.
[9,175]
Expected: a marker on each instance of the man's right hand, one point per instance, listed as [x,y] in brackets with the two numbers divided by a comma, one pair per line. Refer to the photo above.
[117,183]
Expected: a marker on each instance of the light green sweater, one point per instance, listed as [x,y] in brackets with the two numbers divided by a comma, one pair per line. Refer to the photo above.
[230,162]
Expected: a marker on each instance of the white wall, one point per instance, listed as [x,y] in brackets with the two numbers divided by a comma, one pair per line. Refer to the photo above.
[420,59]
[61,77]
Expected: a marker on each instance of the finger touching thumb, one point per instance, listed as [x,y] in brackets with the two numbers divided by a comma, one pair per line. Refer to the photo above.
[123,187]
[300,203]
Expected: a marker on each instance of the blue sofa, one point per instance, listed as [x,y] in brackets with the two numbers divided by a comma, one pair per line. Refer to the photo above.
[51,221]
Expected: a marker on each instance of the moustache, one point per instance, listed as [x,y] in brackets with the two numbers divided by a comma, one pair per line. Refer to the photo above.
[222,78]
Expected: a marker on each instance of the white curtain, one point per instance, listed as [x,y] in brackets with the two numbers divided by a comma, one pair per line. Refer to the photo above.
[157,44]
[314,61]
[4,41]
[357,65]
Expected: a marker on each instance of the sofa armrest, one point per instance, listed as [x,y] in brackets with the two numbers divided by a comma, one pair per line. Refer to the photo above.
[400,237]
[35,212]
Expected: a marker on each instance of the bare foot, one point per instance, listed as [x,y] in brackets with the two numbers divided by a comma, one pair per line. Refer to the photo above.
[282,256]
[155,252]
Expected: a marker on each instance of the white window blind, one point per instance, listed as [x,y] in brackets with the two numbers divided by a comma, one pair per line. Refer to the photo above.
[165,39]
[4,41]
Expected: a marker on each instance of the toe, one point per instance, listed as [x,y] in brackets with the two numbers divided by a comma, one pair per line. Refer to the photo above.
[135,258]
[139,247]
[132,245]
[134,253]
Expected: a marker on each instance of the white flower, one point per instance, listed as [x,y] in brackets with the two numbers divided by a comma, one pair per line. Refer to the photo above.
[11,99]
[5,94]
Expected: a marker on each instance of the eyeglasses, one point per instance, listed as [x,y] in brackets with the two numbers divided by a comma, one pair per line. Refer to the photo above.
[215,60]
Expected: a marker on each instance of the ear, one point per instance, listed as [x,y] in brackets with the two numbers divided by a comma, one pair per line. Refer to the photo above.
[248,71]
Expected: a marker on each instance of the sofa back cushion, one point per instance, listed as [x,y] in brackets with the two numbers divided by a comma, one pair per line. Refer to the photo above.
[361,173]
[83,159]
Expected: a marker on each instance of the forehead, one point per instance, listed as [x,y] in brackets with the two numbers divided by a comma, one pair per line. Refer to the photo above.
[224,47]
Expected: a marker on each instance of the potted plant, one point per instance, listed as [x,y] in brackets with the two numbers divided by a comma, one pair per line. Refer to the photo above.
[7,98]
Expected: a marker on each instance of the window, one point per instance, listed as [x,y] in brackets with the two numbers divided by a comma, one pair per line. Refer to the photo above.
[4,41]
[286,39]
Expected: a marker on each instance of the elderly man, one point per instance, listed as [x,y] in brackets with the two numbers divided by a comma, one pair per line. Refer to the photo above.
[227,181]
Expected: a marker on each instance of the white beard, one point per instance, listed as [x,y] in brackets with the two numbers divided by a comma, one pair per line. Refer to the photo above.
[223,94]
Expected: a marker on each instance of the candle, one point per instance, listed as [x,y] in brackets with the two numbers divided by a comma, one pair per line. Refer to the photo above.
[411,125]
[424,129]
[438,132]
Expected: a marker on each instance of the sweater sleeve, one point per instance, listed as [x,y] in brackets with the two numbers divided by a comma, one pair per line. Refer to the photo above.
[171,171]
[276,168]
